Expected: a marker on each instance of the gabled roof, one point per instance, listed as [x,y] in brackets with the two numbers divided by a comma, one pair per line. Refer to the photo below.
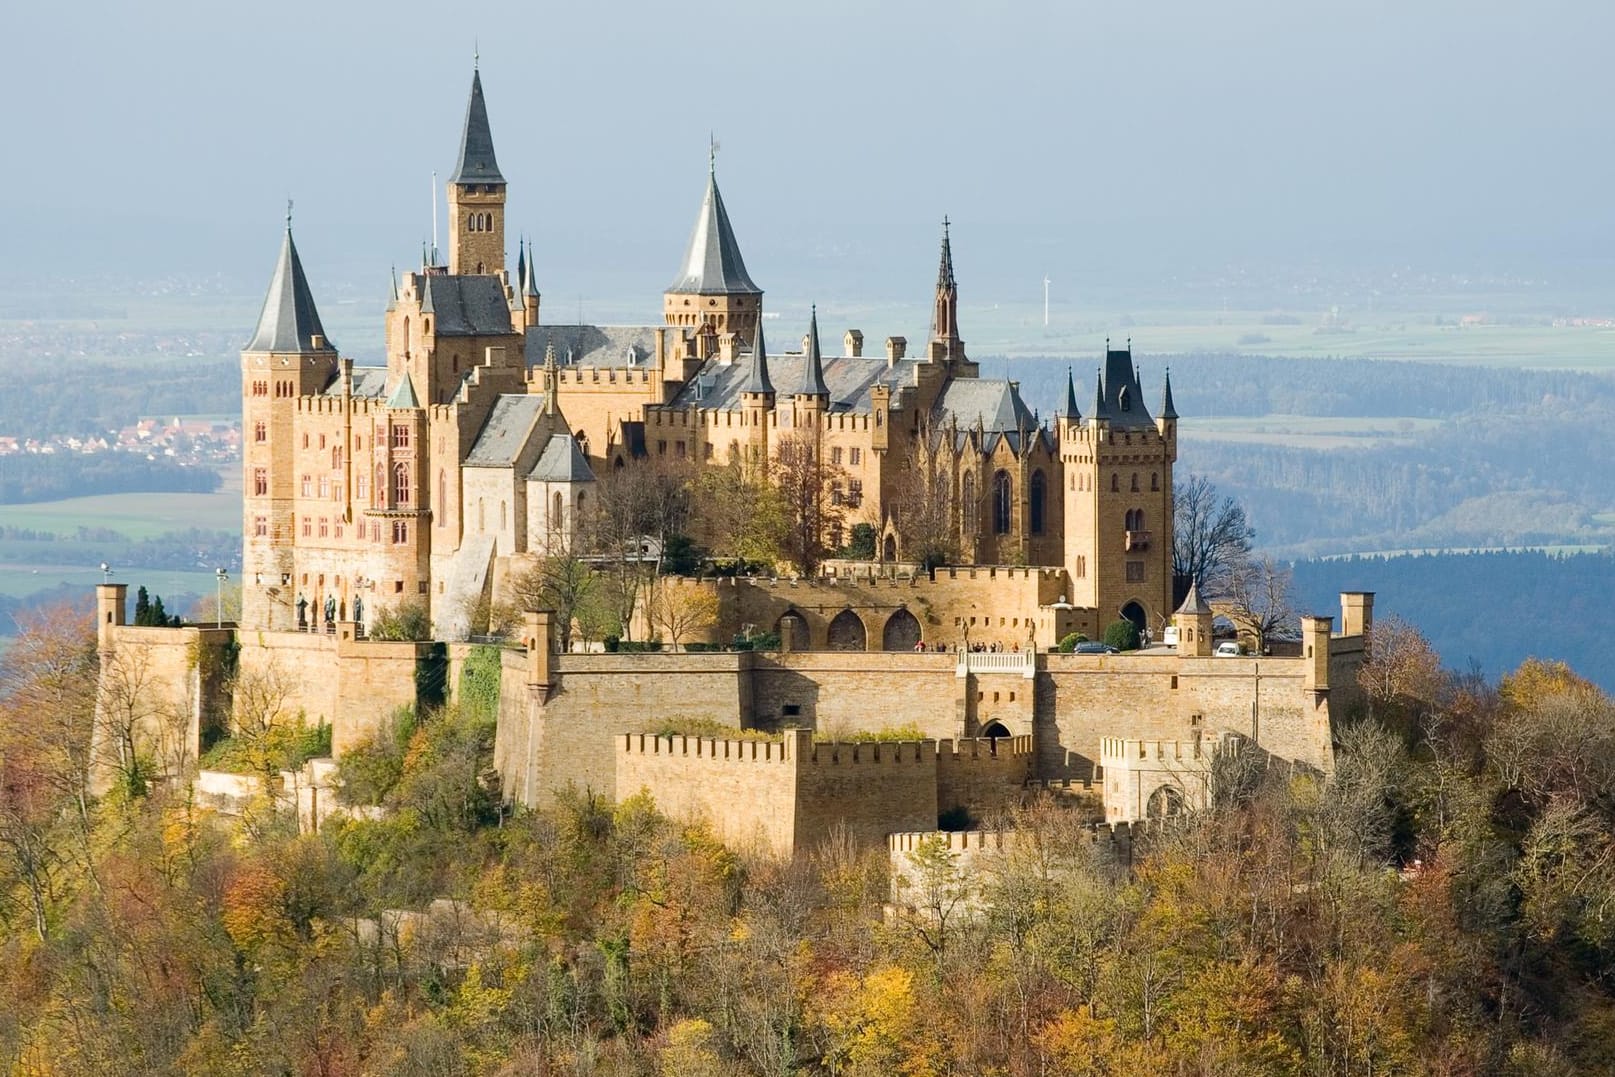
[288,322]
[476,164]
[757,369]
[466,306]
[507,430]
[996,403]
[368,381]
[562,461]
[404,395]
[850,379]
[813,369]
[593,345]
[713,265]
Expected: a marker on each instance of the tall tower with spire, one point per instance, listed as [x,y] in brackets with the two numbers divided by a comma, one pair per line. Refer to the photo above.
[476,195]
[288,357]
[713,287]
[945,342]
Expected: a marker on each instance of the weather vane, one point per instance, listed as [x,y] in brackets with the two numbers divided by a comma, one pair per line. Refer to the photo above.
[288,214]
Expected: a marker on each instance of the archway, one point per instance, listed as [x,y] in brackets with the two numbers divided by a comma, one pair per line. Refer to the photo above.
[1135,613]
[792,631]
[890,549]
[995,730]
[902,632]
[1165,803]
[847,633]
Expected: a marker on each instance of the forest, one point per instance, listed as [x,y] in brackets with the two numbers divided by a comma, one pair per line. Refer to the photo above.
[30,477]
[1442,903]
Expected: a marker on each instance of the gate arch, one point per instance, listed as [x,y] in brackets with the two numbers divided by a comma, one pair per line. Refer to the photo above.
[847,633]
[792,630]
[902,632]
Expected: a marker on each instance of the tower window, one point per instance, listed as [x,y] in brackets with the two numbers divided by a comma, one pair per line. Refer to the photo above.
[1155,481]
[260,431]
[401,485]
[260,481]
[1038,494]
[1115,484]
[1002,502]
[1135,482]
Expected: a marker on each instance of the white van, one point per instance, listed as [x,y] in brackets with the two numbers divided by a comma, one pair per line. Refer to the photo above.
[1227,649]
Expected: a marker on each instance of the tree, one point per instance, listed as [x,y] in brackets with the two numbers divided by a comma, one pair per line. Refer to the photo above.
[1257,601]
[806,484]
[406,621]
[741,518]
[1210,535]
[1402,668]
[924,509]
[681,609]
[639,508]
[1122,635]
[561,582]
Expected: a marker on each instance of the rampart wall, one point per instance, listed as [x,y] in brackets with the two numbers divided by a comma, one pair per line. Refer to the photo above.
[983,777]
[157,689]
[746,790]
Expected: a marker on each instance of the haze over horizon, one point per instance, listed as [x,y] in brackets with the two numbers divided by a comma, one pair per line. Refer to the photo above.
[1109,146]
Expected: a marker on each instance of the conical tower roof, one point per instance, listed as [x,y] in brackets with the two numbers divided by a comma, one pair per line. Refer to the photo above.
[477,163]
[1071,410]
[813,370]
[713,265]
[757,371]
[289,322]
[403,395]
[1168,410]
[1193,604]
[530,286]
[1099,409]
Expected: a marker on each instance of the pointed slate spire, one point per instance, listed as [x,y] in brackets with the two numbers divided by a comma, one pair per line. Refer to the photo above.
[712,265]
[521,266]
[530,287]
[288,322]
[552,382]
[392,295]
[1071,411]
[813,369]
[1193,604]
[1099,409]
[477,164]
[1168,411]
[757,371]
[404,395]
[944,272]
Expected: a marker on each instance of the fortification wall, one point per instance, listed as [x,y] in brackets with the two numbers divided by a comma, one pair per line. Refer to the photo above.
[837,693]
[1346,657]
[163,685]
[986,777]
[871,789]
[746,790]
[352,685]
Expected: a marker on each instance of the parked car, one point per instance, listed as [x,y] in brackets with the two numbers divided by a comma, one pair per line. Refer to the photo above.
[1094,646]
[1227,649]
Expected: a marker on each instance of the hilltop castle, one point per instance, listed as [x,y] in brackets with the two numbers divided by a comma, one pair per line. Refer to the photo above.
[483,441]
[482,437]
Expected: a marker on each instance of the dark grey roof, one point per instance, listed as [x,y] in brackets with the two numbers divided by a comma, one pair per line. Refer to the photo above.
[562,461]
[713,265]
[477,164]
[1099,409]
[505,434]
[530,283]
[1193,604]
[288,322]
[718,386]
[812,383]
[594,345]
[996,403]
[466,306]
[757,369]
[404,394]
[370,381]
[1071,410]
[1168,409]
[1124,397]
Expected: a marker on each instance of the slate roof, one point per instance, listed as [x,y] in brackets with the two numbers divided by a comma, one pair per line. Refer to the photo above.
[713,265]
[466,306]
[503,436]
[1121,388]
[288,322]
[756,380]
[370,381]
[477,164]
[1168,409]
[594,345]
[562,461]
[812,383]
[1193,604]
[994,401]
[848,379]
[404,395]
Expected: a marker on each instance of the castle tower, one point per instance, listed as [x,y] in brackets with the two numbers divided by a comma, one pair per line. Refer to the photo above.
[757,403]
[288,357]
[476,196]
[529,290]
[1118,499]
[945,342]
[713,286]
[1193,620]
[812,398]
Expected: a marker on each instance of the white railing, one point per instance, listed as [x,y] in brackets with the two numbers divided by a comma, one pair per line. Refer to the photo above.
[1023,662]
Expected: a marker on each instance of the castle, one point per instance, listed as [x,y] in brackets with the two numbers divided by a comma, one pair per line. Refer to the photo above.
[484,441]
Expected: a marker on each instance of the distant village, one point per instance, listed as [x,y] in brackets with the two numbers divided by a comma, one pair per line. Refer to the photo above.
[188,441]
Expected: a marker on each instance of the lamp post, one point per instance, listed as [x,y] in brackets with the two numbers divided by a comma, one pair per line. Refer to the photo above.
[219,576]
[106,572]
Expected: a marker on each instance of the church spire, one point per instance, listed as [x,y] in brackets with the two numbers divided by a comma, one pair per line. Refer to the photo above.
[757,371]
[289,321]
[945,342]
[476,163]
[813,369]
[712,264]
[530,285]
[1071,411]
[1168,411]
[1099,409]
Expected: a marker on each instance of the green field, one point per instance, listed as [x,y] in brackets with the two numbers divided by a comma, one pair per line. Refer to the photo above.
[1312,431]
[22,580]
[136,515]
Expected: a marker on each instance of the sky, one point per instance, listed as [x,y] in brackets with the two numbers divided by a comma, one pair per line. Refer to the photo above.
[1086,141]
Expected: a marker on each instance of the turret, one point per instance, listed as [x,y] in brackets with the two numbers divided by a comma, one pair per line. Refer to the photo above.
[1167,421]
[1070,417]
[476,195]
[757,400]
[1193,621]
[713,287]
[813,395]
[529,289]
[945,342]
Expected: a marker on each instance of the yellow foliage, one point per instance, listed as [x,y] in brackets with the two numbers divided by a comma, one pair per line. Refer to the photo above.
[1537,680]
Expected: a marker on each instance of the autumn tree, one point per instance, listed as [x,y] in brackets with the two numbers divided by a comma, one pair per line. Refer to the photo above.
[1401,669]
[680,609]
[561,582]
[1211,538]
[639,507]
[923,506]
[741,517]
[807,485]
[1257,600]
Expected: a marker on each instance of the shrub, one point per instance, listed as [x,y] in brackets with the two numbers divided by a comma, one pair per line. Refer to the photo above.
[861,544]
[407,621]
[955,818]
[283,746]
[1122,635]
[1069,641]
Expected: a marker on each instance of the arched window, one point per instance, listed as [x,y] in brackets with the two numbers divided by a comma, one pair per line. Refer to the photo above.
[578,511]
[1135,482]
[401,484]
[1155,481]
[1037,493]
[442,498]
[1115,484]
[556,507]
[968,500]
[1002,500]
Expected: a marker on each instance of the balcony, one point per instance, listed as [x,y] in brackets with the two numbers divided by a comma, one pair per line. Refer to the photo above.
[1138,540]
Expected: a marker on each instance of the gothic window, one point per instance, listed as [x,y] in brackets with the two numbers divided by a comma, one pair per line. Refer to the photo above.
[260,481]
[336,458]
[1155,481]
[1115,484]
[1038,494]
[306,487]
[555,511]
[969,503]
[260,432]
[442,498]
[400,436]
[401,484]
[1002,502]
[1135,482]
[400,532]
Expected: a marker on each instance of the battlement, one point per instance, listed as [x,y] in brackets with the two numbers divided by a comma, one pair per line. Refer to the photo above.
[956,841]
[871,753]
[968,748]
[588,377]
[322,404]
[1122,750]
[714,749]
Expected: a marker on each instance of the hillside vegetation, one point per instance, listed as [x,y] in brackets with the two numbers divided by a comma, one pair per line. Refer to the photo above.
[1439,905]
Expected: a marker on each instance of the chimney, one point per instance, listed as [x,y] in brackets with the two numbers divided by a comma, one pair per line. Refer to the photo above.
[854,343]
[896,348]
